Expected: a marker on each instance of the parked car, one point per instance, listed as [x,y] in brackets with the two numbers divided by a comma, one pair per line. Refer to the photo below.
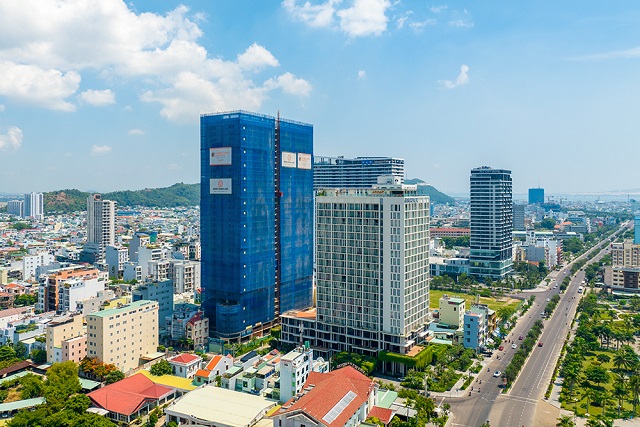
[520,337]
[497,374]
[540,344]
[501,348]
[514,345]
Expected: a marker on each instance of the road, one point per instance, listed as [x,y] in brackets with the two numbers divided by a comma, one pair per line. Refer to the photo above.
[519,406]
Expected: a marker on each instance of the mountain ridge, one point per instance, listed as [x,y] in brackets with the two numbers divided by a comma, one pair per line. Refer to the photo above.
[176,195]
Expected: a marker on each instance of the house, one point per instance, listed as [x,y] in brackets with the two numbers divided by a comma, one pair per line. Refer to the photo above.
[217,366]
[130,398]
[185,365]
[341,398]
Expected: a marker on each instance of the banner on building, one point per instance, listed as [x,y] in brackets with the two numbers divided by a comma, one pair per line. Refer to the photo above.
[288,159]
[304,161]
[220,186]
[220,156]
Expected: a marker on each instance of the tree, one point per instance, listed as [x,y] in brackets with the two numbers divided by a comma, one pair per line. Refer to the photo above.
[547,224]
[161,368]
[603,358]
[21,350]
[38,356]
[634,390]
[62,381]
[565,421]
[7,353]
[32,386]
[114,377]
[589,395]
[78,403]
[596,374]
[620,390]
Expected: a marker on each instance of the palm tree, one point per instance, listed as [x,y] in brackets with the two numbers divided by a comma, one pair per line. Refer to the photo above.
[621,360]
[565,421]
[589,394]
[634,390]
[605,398]
[620,390]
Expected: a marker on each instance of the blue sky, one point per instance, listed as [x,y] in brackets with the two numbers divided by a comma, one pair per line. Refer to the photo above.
[105,95]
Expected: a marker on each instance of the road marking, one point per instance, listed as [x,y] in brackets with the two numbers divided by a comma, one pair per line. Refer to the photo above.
[520,399]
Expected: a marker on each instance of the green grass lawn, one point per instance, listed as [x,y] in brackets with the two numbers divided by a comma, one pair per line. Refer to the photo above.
[493,303]
[580,405]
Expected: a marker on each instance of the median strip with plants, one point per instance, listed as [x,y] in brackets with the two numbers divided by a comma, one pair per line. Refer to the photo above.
[528,344]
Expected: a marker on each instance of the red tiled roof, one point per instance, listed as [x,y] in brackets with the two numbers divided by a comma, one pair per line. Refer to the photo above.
[383,414]
[328,389]
[184,358]
[128,395]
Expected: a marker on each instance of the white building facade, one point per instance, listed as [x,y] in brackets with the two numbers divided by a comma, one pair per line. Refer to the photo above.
[372,260]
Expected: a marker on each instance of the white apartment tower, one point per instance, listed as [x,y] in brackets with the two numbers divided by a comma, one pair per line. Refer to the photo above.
[372,259]
[101,223]
[34,205]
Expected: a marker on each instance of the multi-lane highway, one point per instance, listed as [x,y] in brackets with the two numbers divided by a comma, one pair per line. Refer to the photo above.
[520,407]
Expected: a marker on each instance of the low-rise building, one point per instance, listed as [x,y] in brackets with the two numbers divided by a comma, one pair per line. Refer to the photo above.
[340,398]
[130,398]
[217,366]
[295,368]
[185,365]
[211,406]
[451,310]
[58,334]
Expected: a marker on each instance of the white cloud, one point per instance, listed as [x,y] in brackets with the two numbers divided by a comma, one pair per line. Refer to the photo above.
[362,74]
[365,17]
[30,84]
[362,18]
[314,15]
[98,98]
[47,44]
[289,84]
[174,166]
[98,150]
[437,9]
[135,132]
[1,108]
[461,80]
[461,19]
[11,140]
[256,57]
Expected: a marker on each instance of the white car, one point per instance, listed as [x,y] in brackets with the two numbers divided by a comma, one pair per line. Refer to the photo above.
[497,374]
[514,346]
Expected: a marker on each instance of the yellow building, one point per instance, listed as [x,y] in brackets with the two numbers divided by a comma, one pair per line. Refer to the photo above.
[61,329]
[122,335]
[451,310]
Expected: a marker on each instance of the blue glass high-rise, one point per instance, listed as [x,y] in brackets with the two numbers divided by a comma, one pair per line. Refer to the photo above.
[256,220]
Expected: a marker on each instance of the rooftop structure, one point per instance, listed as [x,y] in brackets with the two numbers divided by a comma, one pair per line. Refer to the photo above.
[211,406]
[361,172]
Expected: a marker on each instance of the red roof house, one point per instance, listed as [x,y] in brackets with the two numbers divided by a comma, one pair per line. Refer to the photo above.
[334,399]
[131,397]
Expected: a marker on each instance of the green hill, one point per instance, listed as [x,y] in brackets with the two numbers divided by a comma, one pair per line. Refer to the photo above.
[436,196]
[66,201]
